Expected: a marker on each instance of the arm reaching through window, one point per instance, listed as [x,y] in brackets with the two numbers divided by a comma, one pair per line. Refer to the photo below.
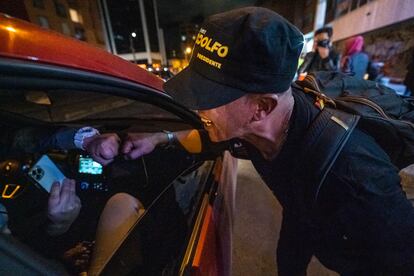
[139,144]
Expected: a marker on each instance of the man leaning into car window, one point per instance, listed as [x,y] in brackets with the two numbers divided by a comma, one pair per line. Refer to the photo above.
[362,222]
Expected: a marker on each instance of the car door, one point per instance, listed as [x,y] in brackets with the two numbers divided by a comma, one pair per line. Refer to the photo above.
[51,95]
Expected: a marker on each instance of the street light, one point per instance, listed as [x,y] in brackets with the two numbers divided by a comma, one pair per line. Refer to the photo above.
[131,45]
[188,50]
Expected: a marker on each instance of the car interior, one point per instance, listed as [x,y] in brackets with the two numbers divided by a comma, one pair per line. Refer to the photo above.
[169,181]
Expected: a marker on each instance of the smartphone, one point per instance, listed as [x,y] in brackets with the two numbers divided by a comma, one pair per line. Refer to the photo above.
[91,175]
[45,173]
[88,166]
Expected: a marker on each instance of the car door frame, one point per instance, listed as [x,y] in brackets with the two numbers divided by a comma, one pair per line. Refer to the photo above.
[30,75]
[22,74]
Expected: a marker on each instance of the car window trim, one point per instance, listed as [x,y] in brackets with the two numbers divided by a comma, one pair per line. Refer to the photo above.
[29,75]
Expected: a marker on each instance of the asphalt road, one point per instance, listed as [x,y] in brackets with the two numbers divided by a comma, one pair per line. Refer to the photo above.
[257,226]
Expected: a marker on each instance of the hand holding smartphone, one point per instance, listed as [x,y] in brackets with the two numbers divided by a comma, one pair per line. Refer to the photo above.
[45,173]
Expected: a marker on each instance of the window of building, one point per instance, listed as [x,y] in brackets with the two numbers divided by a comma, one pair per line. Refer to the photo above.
[308,3]
[343,7]
[330,11]
[80,33]
[38,4]
[43,22]
[354,4]
[75,16]
[65,28]
[72,2]
[60,9]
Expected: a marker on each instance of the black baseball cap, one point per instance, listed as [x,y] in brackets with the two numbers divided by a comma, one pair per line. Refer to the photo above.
[247,50]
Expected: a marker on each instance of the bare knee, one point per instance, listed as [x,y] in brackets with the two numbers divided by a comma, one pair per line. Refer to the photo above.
[124,201]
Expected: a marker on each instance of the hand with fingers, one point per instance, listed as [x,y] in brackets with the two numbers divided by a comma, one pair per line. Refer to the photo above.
[78,257]
[139,144]
[103,148]
[63,207]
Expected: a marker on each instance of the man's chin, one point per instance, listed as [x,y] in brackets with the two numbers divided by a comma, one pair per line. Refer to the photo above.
[217,139]
[214,137]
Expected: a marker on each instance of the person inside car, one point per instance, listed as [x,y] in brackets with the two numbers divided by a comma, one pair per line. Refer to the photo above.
[121,211]
[239,81]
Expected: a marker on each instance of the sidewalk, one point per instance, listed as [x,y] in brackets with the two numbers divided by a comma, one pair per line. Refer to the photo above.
[257,226]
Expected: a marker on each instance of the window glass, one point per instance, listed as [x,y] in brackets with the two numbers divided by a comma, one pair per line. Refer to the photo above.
[354,4]
[343,7]
[330,11]
[60,9]
[65,28]
[43,22]
[38,4]
[80,33]
[68,105]
[75,16]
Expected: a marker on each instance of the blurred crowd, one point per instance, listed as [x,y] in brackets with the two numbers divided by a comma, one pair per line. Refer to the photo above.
[353,60]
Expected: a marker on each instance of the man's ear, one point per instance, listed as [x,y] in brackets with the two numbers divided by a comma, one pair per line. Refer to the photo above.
[265,104]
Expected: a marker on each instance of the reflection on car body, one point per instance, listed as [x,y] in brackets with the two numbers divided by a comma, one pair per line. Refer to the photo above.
[63,83]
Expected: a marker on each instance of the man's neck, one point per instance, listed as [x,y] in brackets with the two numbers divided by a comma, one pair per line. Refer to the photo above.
[270,139]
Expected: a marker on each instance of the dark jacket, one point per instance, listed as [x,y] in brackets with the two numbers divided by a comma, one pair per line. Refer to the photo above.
[362,222]
[409,78]
[313,62]
[27,210]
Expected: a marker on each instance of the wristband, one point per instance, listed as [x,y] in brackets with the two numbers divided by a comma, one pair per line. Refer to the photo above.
[83,133]
[170,137]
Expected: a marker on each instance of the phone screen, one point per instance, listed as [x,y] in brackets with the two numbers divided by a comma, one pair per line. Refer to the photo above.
[88,166]
[45,173]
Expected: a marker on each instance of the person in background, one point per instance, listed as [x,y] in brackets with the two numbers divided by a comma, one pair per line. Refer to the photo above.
[323,57]
[374,68]
[409,78]
[354,61]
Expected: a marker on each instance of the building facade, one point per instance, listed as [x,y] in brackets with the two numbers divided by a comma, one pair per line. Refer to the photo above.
[386,25]
[76,18]
[352,17]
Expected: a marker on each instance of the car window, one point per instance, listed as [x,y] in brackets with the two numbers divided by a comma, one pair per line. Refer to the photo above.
[70,105]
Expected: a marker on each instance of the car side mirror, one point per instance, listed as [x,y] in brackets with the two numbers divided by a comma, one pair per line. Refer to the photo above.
[38,97]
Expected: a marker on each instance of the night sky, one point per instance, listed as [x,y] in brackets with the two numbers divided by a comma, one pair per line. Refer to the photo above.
[171,13]
[174,12]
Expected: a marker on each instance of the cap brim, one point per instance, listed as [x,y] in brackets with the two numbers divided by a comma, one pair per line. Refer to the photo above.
[197,92]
